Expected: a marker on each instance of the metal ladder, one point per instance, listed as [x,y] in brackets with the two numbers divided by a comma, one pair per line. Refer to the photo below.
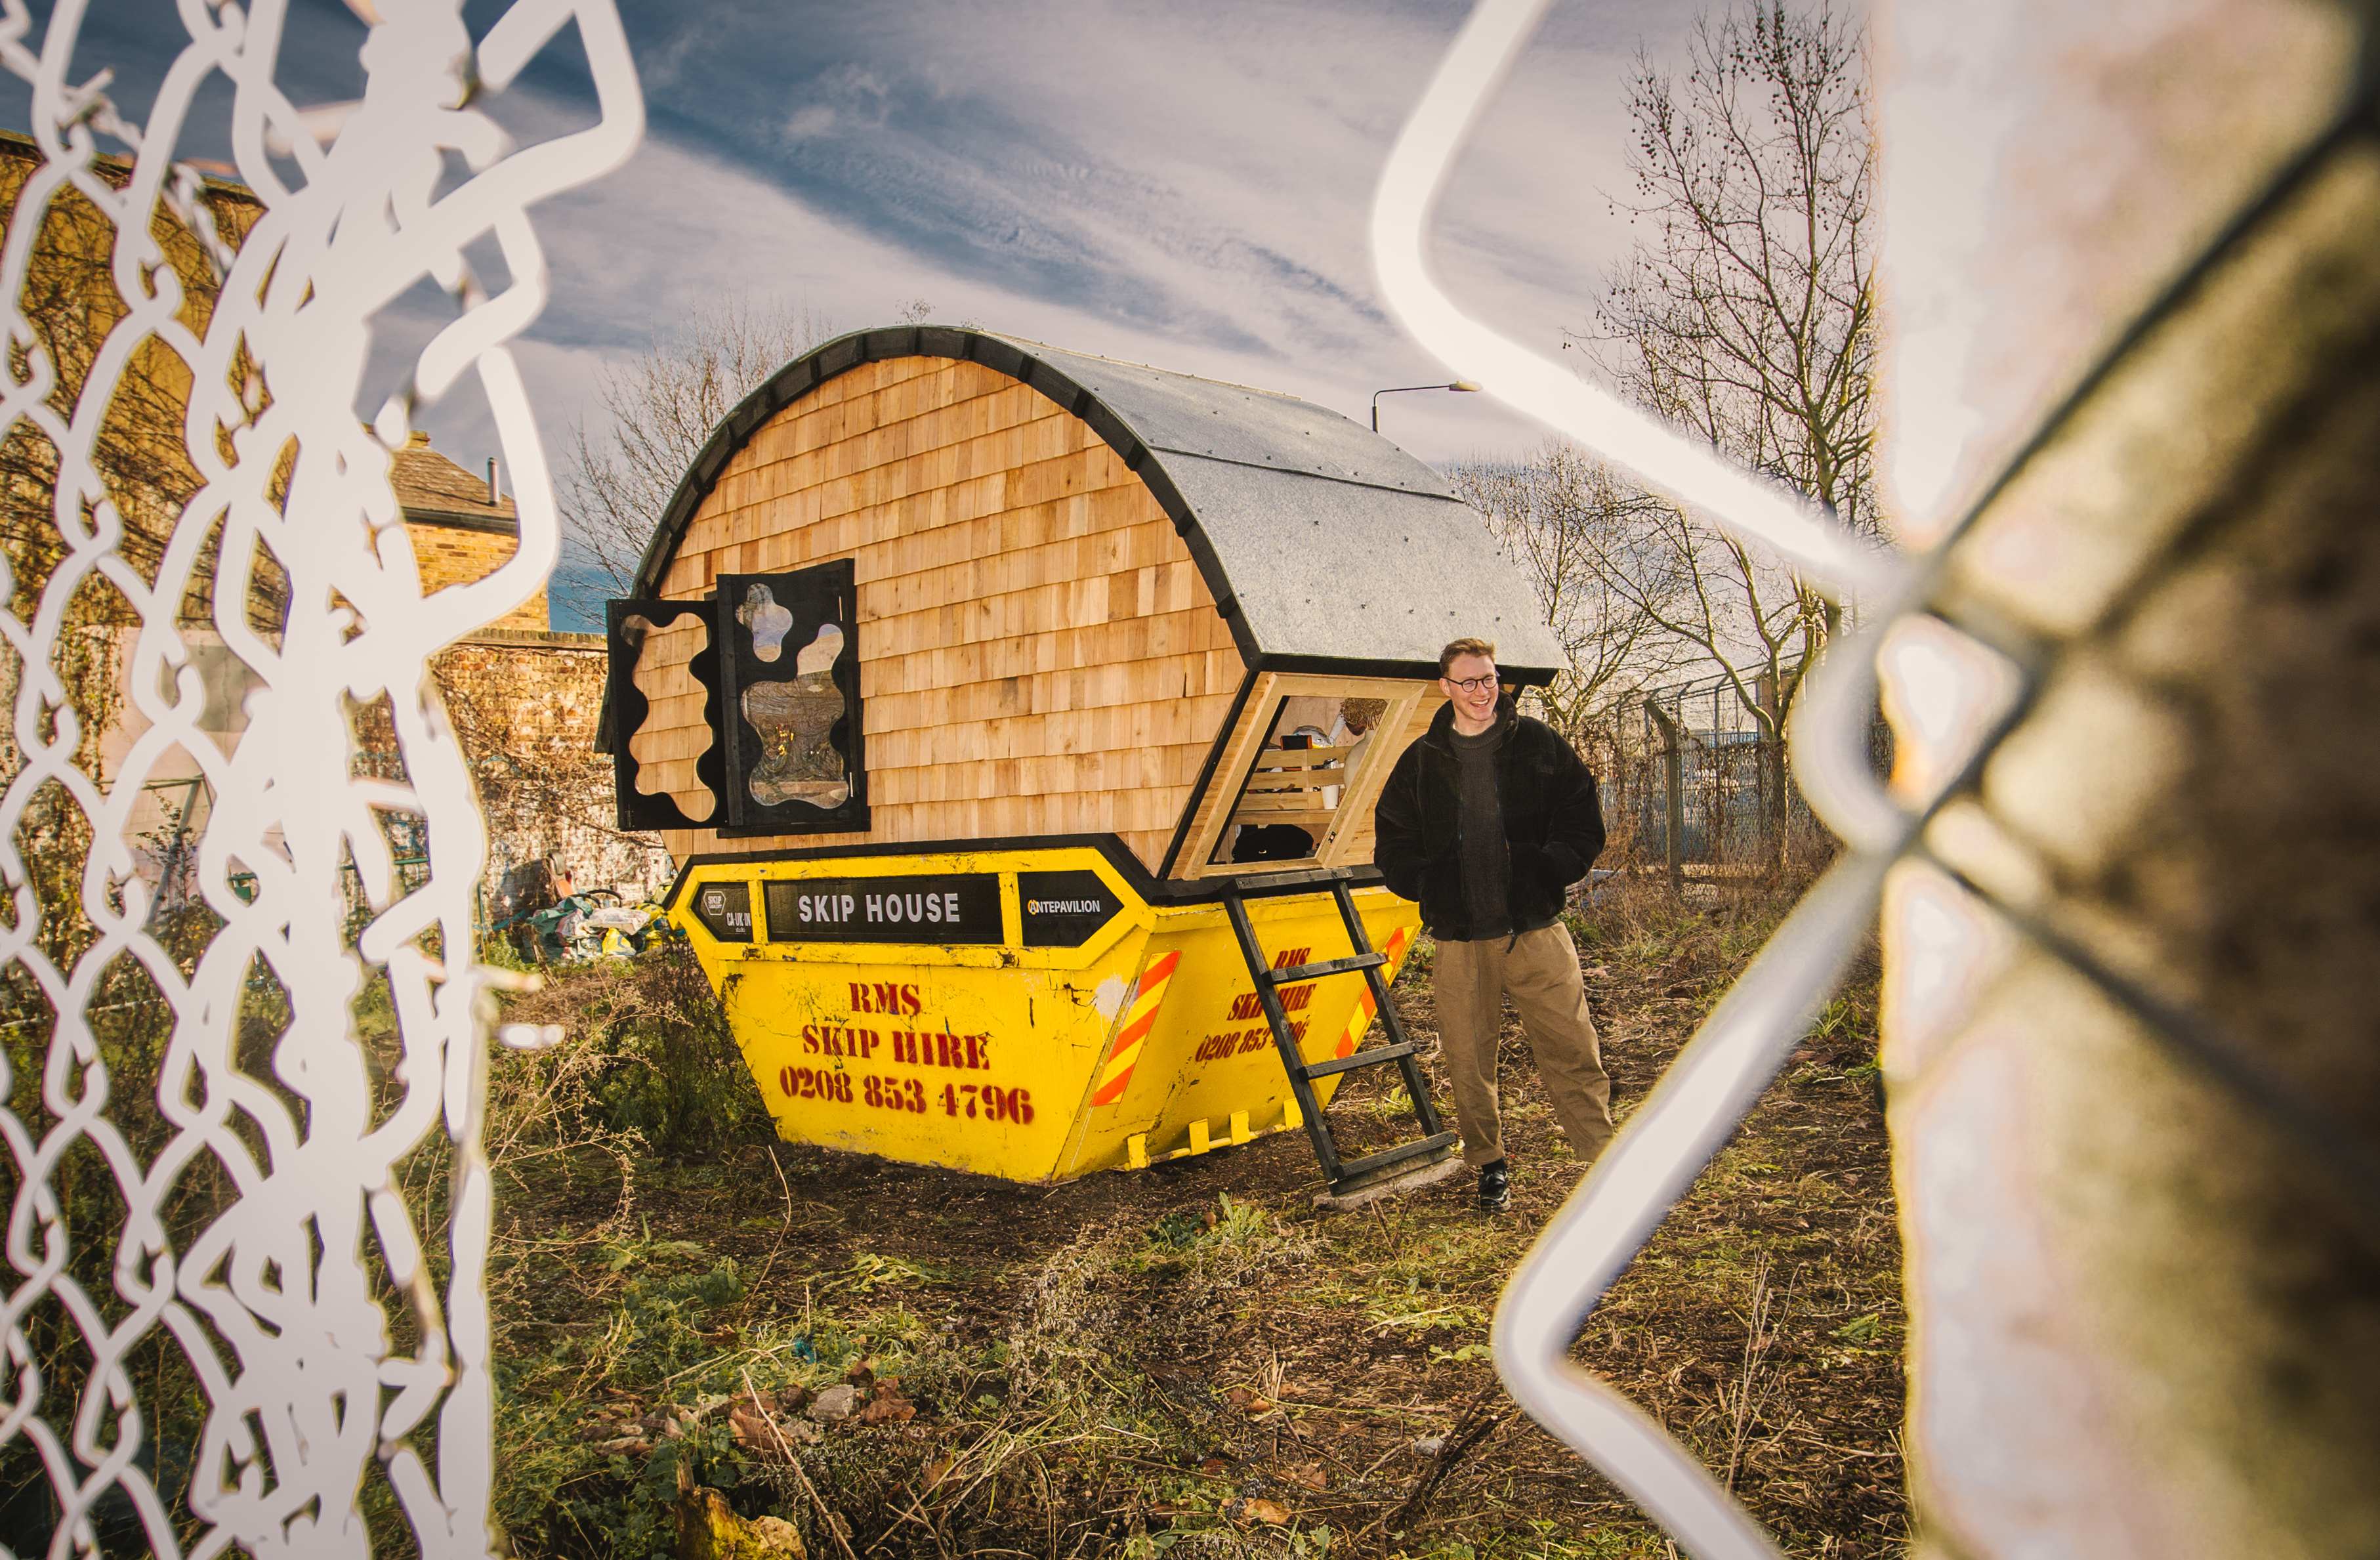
[1346,1178]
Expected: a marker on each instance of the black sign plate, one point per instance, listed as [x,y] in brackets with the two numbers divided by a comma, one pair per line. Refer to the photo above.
[724,909]
[1064,910]
[927,907]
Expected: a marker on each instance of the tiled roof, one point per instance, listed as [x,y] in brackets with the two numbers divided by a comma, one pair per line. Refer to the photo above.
[434,491]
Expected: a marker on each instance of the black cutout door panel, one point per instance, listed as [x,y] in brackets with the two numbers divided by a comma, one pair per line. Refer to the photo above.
[627,625]
[789,685]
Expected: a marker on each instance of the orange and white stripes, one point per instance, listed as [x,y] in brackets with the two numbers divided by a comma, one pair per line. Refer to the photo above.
[1136,1032]
[1361,1019]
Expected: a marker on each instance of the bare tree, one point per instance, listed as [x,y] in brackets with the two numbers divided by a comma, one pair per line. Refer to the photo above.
[663,406]
[1575,528]
[1749,314]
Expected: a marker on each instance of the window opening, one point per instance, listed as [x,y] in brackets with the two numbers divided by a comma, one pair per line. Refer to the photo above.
[663,691]
[1287,806]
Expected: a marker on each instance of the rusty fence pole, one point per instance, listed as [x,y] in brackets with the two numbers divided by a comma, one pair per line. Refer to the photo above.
[2131,982]
[1674,845]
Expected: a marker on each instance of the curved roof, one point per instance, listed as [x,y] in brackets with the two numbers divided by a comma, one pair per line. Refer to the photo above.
[1324,546]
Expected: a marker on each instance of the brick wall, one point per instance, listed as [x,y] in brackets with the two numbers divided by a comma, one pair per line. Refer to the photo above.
[525,706]
[452,556]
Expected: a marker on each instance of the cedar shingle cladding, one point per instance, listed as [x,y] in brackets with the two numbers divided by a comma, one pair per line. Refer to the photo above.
[1009,566]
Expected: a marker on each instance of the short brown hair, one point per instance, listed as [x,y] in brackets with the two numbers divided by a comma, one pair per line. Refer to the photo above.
[1486,648]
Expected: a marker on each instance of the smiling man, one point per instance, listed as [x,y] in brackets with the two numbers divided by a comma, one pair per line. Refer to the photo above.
[1486,821]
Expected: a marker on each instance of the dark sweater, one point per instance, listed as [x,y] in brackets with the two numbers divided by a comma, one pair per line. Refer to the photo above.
[1486,859]
[1552,825]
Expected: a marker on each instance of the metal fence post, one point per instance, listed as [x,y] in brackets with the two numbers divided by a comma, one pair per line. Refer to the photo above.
[1675,844]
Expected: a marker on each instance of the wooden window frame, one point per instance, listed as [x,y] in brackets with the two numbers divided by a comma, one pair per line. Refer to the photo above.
[1214,809]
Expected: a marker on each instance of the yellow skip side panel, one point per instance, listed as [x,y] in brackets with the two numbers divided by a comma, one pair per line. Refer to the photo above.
[1028,1063]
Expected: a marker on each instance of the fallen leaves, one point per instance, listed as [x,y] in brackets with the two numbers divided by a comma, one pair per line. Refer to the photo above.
[1243,1512]
[888,1407]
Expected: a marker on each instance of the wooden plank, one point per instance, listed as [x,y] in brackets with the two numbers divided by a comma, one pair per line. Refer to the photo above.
[1314,820]
[1207,821]
[1341,831]
[1040,654]
[1401,724]
[1278,802]
[1289,760]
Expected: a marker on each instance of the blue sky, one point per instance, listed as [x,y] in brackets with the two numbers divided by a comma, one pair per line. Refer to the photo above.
[1186,186]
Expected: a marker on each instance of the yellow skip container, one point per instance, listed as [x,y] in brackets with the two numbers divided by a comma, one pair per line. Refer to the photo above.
[1033,1013]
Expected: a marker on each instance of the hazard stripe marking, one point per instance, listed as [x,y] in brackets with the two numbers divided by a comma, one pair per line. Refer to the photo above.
[1365,1007]
[1135,1031]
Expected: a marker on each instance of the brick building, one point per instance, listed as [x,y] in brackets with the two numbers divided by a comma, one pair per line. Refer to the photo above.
[461,525]
[522,699]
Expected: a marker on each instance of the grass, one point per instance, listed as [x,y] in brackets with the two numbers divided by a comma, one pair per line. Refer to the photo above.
[1186,1361]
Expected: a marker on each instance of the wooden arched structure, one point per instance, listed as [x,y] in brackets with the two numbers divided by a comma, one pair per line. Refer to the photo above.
[933,586]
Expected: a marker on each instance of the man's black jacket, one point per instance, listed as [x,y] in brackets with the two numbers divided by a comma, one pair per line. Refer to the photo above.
[1553,822]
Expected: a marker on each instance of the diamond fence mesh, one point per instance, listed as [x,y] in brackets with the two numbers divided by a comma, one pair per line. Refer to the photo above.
[241,1017]
[1743,808]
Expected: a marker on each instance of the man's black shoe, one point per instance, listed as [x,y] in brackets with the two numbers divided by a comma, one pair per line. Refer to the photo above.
[1495,1187]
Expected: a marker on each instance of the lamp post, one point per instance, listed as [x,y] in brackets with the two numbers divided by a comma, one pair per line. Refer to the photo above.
[1462,384]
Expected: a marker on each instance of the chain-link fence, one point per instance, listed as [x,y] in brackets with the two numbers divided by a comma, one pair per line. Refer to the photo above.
[1738,805]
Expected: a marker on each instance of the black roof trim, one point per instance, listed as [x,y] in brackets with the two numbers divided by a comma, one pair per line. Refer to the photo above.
[1155,890]
[1405,671]
[1318,515]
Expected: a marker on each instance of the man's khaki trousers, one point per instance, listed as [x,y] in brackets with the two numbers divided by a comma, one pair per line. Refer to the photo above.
[1539,971]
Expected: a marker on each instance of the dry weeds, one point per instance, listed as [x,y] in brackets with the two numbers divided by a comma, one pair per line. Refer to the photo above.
[1190,1362]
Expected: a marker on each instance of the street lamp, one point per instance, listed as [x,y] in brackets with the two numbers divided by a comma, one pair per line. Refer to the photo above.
[1462,384]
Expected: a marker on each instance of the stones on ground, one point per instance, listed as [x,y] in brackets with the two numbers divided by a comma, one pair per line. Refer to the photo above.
[835,1405]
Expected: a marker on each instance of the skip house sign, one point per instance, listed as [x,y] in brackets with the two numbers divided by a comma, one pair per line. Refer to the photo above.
[910,908]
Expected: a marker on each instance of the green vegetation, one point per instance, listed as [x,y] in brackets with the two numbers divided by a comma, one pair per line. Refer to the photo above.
[889,1360]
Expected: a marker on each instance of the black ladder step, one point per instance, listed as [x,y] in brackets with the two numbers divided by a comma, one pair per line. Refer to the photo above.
[1327,967]
[1351,1168]
[1360,1059]
[1373,1171]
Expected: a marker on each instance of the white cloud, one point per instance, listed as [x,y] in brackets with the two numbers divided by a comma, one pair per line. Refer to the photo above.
[808,122]
[1184,187]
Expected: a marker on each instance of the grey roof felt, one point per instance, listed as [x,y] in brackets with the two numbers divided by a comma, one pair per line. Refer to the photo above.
[1326,545]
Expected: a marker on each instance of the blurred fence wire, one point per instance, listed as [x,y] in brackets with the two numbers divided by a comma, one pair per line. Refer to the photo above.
[2068,673]
[237,1308]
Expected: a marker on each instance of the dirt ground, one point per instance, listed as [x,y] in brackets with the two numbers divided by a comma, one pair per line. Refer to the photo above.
[1191,1355]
